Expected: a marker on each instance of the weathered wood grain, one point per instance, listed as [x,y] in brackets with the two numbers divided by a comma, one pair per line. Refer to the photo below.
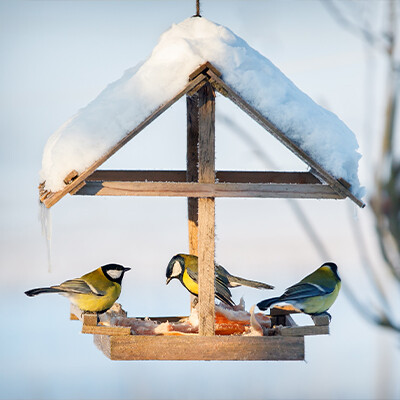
[206,260]
[194,347]
[191,174]
[306,330]
[194,189]
[206,211]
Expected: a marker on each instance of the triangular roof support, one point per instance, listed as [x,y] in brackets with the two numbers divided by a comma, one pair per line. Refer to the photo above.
[50,198]
[205,74]
[227,91]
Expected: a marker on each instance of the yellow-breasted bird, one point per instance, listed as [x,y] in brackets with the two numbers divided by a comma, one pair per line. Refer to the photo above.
[312,295]
[94,292]
[185,268]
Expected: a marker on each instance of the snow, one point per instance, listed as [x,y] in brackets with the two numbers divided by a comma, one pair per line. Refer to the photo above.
[122,105]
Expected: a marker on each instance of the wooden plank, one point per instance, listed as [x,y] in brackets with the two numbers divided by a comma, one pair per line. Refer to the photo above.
[227,91]
[53,198]
[284,310]
[194,347]
[194,189]
[77,188]
[206,147]
[196,88]
[106,330]
[206,266]
[70,177]
[304,330]
[89,323]
[89,319]
[203,69]
[191,175]
[320,320]
[282,315]
[206,211]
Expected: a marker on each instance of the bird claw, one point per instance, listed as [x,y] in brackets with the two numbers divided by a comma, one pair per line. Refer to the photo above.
[325,313]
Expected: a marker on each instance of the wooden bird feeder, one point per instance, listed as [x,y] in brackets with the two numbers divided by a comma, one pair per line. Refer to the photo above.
[201,184]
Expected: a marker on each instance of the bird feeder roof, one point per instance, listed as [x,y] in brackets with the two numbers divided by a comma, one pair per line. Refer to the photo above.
[237,71]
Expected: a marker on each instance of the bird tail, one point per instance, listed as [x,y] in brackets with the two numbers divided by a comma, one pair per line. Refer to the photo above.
[265,304]
[237,281]
[35,292]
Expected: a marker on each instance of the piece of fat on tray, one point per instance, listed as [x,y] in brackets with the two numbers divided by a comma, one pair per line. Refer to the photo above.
[228,321]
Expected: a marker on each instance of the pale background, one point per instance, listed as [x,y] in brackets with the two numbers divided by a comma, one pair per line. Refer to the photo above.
[56,56]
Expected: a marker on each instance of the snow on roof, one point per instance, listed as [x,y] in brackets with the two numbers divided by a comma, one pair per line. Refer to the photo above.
[122,105]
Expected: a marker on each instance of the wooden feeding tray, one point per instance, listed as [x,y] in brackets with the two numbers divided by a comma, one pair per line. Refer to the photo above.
[283,340]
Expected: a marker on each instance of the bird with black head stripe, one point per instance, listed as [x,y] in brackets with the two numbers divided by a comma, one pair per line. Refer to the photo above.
[94,292]
[184,267]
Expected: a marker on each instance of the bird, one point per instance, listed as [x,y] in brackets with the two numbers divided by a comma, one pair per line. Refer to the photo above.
[314,294]
[94,292]
[184,267]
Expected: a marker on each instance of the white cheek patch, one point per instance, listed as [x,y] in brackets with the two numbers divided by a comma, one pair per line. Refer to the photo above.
[176,269]
[114,273]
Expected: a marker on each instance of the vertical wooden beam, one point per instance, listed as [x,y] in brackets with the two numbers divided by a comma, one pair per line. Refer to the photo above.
[192,175]
[192,160]
[206,217]
[206,272]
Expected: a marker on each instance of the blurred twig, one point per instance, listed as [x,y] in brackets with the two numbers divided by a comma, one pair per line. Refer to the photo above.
[357,26]
[267,161]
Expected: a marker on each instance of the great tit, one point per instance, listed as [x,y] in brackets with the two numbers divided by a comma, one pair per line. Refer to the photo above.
[312,295]
[94,292]
[185,268]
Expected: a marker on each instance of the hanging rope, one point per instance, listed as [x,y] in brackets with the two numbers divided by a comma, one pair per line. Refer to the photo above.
[197,9]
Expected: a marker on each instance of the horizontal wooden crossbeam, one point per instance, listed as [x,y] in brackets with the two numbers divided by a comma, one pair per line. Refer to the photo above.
[220,176]
[228,184]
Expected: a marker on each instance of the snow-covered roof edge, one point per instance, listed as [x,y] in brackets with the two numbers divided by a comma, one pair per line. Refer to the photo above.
[94,130]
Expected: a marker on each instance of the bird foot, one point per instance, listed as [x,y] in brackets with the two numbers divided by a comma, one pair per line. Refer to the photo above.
[324,313]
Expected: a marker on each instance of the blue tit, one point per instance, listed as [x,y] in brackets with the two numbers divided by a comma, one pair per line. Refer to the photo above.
[185,268]
[94,292]
[314,294]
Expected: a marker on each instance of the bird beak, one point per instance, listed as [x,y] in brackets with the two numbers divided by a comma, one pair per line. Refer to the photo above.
[126,269]
[168,279]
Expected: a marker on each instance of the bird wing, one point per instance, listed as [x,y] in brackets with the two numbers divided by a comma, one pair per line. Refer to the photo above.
[192,274]
[79,286]
[303,290]
[222,291]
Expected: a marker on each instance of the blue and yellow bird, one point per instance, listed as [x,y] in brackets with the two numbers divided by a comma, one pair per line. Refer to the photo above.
[314,294]
[94,292]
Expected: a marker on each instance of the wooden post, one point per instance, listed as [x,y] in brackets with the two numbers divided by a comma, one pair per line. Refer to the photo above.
[206,217]
[192,160]
[201,212]
[192,175]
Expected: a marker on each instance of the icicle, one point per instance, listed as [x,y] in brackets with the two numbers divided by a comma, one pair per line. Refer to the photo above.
[355,212]
[45,219]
